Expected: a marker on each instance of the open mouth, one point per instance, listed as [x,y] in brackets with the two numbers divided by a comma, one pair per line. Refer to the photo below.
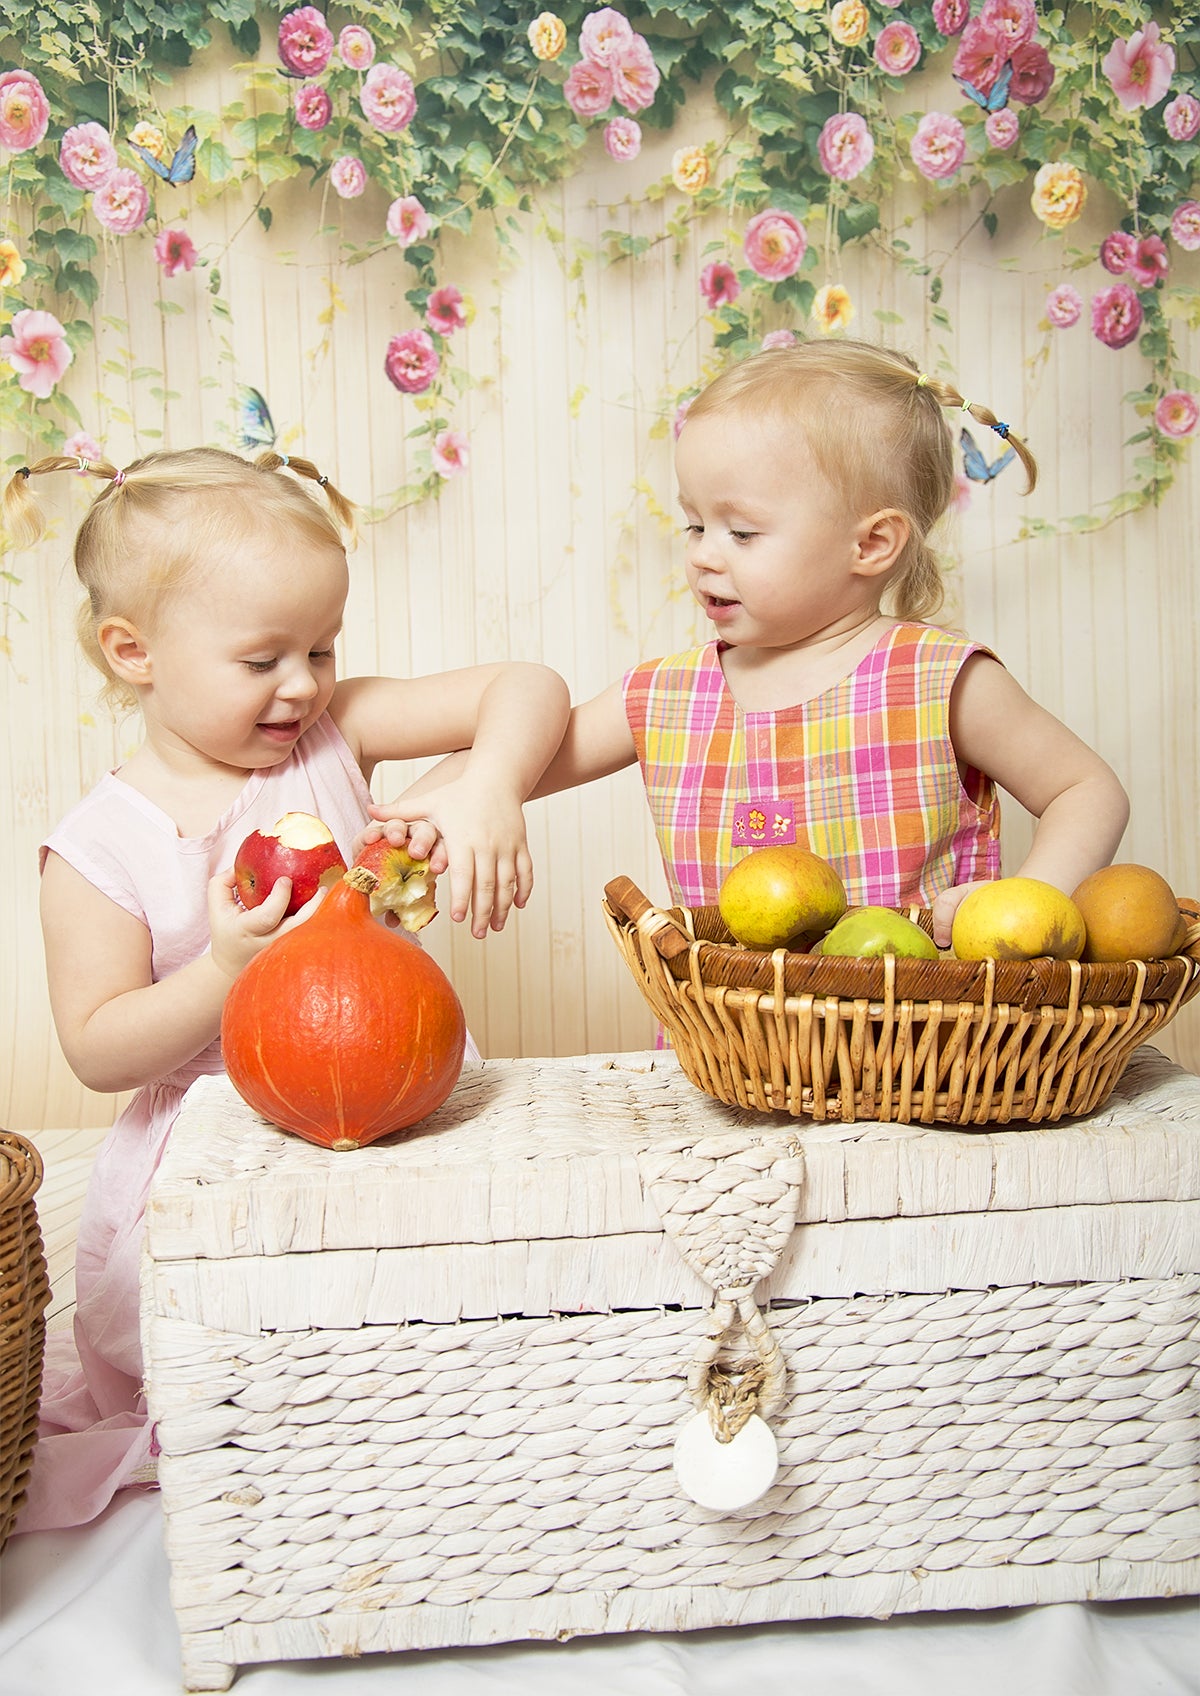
[285,732]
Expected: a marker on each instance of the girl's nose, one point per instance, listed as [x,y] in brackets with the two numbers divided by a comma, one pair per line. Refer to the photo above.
[299,684]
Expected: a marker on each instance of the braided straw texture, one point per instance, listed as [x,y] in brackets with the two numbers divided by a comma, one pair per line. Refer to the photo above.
[940,1042]
[342,1472]
[24,1293]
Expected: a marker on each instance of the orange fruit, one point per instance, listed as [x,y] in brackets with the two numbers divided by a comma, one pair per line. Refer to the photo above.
[1017,918]
[1130,913]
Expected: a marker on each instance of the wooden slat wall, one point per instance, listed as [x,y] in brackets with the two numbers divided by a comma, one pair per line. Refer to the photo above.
[544,551]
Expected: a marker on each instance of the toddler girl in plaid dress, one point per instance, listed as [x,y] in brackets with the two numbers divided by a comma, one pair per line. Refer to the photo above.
[827,710]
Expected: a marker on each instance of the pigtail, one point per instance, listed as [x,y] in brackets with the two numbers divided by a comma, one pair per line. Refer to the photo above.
[947,395]
[21,517]
[341,507]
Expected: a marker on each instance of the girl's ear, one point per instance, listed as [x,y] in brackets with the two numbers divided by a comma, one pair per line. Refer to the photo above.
[881,539]
[124,648]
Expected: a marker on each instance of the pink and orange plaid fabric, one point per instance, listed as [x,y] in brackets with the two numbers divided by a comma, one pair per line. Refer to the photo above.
[865,775]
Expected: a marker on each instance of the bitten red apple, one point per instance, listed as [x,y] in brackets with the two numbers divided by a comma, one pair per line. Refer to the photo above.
[301,847]
[405,885]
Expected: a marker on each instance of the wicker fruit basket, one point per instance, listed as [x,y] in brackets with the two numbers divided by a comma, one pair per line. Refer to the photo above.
[24,1292]
[949,1042]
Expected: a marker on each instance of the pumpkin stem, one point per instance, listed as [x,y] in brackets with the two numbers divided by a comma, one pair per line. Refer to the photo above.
[358,877]
[344,1142]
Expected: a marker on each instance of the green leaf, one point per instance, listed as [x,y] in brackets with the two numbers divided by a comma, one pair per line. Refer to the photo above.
[857,219]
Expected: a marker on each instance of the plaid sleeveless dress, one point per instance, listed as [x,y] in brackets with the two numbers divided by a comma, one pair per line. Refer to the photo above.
[865,774]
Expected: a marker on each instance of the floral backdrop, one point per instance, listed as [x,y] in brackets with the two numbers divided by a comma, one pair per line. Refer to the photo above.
[451,113]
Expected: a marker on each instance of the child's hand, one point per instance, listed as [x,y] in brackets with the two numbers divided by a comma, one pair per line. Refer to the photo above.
[945,907]
[421,837]
[239,933]
[481,831]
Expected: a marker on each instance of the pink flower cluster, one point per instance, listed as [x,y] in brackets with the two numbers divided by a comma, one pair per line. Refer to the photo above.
[1000,42]
[616,64]
[1144,258]
[306,46]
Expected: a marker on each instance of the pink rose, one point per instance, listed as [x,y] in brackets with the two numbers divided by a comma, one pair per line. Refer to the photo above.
[82,446]
[604,35]
[775,244]
[982,54]
[635,76]
[411,361]
[1116,315]
[845,145]
[123,202]
[1033,74]
[897,49]
[939,146]
[175,251]
[1002,127]
[37,350]
[356,47]
[451,453]
[1149,261]
[444,310]
[1140,69]
[87,156]
[348,176]
[1185,226]
[407,220]
[1064,305]
[1116,252]
[622,138]
[1015,20]
[305,41]
[778,338]
[588,88]
[1177,412]
[1182,117]
[312,106]
[719,284]
[388,99]
[24,111]
[950,16]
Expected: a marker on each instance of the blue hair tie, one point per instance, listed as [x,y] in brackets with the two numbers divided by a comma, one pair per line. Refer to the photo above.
[284,460]
[1001,430]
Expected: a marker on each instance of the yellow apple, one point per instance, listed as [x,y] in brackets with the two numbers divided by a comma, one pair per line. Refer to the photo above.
[780,894]
[1017,918]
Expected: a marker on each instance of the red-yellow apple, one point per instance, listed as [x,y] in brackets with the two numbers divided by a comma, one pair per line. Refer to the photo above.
[405,885]
[301,847]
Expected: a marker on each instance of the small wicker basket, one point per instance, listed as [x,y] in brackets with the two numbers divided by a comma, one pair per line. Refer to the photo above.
[24,1293]
[952,1042]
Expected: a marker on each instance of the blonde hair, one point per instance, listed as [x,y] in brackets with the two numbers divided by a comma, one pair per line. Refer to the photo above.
[876,428]
[159,521]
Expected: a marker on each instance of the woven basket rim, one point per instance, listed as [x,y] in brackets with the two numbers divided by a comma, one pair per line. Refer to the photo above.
[694,942]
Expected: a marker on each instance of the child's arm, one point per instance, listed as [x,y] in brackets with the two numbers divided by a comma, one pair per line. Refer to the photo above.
[1081,808]
[507,720]
[596,743]
[119,1029]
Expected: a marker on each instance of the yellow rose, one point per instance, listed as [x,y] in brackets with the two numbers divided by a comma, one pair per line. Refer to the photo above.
[150,137]
[12,266]
[547,36]
[833,309]
[848,22]
[690,169]
[1059,192]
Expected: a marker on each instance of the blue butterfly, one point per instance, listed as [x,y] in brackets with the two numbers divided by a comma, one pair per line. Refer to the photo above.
[998,96]
[256,428]
[976,466]
[182,167]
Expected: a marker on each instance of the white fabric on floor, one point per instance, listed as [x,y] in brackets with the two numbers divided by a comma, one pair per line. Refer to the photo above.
[87,1613]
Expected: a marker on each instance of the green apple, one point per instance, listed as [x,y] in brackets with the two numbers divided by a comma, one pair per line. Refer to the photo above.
[868,932]
[781,894]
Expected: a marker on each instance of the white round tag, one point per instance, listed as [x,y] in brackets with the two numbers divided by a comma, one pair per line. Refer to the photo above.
[729,1475]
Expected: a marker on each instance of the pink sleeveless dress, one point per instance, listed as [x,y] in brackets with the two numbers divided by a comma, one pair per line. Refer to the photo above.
[94,1435]
[864,774]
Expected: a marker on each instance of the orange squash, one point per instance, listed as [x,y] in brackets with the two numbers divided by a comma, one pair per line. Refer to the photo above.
[343,1030]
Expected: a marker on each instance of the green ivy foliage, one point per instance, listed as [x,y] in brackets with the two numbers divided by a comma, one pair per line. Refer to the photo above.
[493,126]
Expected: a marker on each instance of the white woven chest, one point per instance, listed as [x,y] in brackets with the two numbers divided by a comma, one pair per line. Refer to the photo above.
[426,1394]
